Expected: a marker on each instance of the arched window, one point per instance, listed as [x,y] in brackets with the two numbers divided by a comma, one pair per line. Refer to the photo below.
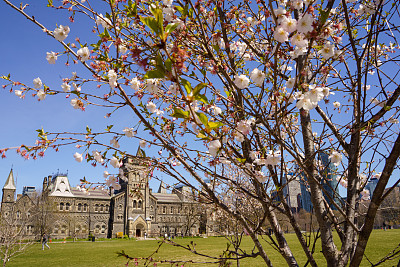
[140,204]
[164,209]
[107,207]
[67,205]
[120,206]
[61,206]
[101,207]
[172,210]
[134,204]
[85,207]
[151,208]
[79,207]
[96,207]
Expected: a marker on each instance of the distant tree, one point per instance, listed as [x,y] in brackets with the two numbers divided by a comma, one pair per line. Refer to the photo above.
[15,230]
[43,214]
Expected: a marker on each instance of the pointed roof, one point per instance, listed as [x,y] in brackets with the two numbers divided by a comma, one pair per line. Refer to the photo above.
[140,153]
[162,188]
[10,184]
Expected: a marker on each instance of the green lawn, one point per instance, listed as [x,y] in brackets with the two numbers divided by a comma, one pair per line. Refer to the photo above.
[104,253]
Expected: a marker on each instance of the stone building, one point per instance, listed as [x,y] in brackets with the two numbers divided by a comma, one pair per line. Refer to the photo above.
[133,210]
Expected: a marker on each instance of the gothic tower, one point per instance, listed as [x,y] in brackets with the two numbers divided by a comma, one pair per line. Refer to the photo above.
[135,184]
[9,189]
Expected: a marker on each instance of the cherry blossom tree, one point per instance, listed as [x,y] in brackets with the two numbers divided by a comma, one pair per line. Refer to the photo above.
[265,86]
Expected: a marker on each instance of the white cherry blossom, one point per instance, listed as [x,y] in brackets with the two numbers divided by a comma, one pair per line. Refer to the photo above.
[213,147]
[152,85]
[76,103]
[129,132]
[327,51]
[142,143]
[299,40]
[18,93]
[51,57]
[115,162]
[97,156]
[151,107]
[114,142]
[257,76]
[281,35]
[135,84]
[241,81]
[37,83]
[289,24]
[290,83]
[304,24]
[61,33]
[66,87]
[335,158]
[78,157]
[105,22]
[41,95]
[84,53]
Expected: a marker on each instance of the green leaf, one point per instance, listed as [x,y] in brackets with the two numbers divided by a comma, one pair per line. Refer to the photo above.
[88,130]
[203,118]
[49,3]
[324,17]
[158,18]
[179,113]
[198,87]
[152,24]
[201,136]
[105,34]
[171,27]
[168,64]
[5,77]
[159,63]
[187,85]
[212,124]
[109,128]
[241,160]
[180,9]
[201,98]
[154,74]
[131,9]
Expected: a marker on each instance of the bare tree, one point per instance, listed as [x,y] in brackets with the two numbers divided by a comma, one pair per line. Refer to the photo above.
[15,234]
[43,214]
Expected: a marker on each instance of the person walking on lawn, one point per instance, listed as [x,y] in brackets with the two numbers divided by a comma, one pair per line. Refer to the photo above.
[45,238]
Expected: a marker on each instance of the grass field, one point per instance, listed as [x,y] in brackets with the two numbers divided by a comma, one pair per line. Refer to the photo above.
[103,253]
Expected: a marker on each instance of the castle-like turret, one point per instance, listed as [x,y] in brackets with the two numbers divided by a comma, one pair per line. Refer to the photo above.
[9,189]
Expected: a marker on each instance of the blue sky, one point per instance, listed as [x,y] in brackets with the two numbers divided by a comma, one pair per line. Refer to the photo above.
[24,48]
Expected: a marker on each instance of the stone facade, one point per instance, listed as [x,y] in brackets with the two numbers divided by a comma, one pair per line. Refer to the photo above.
[134,210]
